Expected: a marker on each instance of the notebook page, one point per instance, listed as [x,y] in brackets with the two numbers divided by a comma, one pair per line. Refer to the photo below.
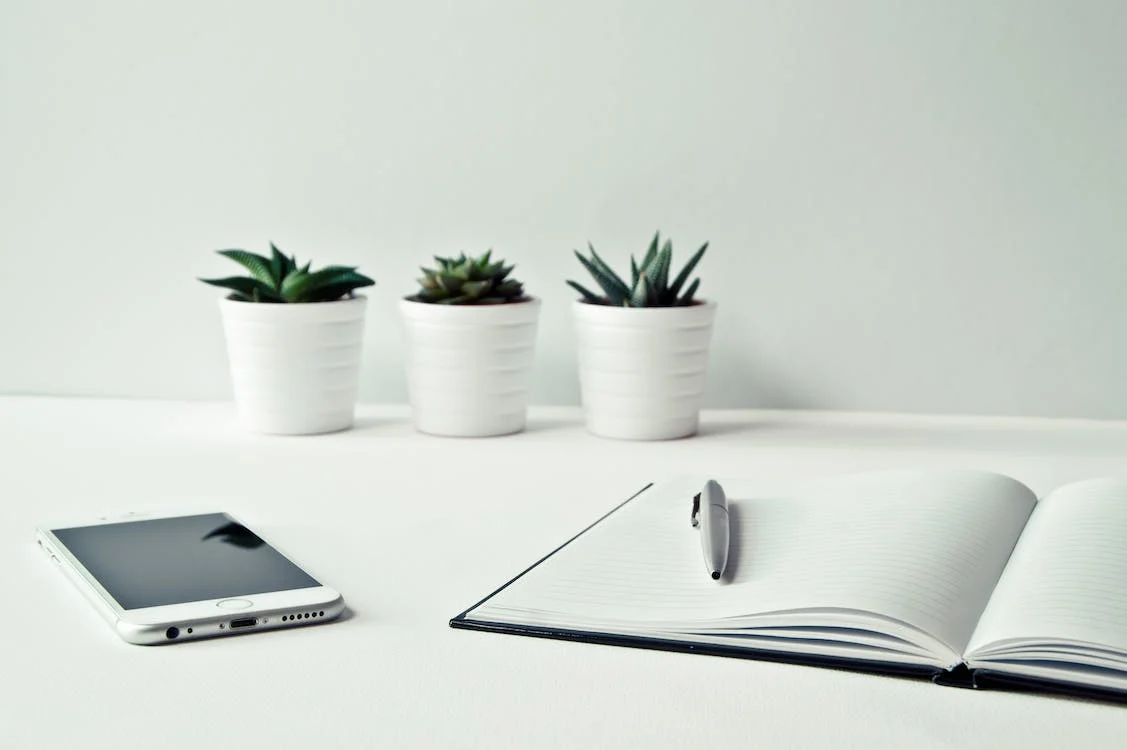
[1067,579]
[924,548]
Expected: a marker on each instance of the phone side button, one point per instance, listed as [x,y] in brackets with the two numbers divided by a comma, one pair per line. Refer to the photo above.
[234,603]
[54,558]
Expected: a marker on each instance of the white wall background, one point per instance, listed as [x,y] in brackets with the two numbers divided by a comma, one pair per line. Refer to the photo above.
[912,205]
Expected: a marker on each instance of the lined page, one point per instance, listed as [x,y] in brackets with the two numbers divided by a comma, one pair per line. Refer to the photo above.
[924,548]
[1067,580]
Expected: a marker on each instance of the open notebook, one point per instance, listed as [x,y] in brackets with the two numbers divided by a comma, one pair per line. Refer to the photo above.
[961,575]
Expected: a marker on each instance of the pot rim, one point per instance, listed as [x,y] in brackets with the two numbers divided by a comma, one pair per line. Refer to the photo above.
[295,313]
[295,305]
[697,305]
[499,306]
[525,311]
[592,311]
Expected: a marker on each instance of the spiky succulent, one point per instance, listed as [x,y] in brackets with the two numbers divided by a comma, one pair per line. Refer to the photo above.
[469,281]
[280,279]
[649,280]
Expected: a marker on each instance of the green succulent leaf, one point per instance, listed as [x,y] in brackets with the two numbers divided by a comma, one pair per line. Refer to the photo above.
[587,293]
[611,285]
[675,287]
[608,271]
[650,267]
[664,260]
[430,295]
[317,285]
[474,289]
[246,288]
[643,292]
[295,285]
[687,299]
[649,280]
[278,279]
[468,280]
[462,271]
[651,252]
[279,265]
[336,290]
[258,266]
[510,288]
[448,282]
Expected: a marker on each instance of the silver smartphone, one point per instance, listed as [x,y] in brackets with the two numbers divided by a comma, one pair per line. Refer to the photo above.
[173,578]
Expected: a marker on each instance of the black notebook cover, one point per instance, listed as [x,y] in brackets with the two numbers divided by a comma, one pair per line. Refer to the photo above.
[960,676]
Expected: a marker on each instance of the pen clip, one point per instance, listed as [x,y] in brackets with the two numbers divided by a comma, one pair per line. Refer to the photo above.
[694,517]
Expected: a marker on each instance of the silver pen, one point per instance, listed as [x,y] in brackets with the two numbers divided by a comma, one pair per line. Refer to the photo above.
[710,511]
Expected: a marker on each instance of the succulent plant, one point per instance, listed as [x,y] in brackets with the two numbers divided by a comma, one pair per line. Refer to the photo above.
[649,280]
[279,279]
[469,281]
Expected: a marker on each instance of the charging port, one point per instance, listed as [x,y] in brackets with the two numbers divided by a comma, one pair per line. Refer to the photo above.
[244,622]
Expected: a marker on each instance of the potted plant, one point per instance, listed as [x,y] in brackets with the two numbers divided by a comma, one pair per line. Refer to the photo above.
[643,346]
[294,339]
[471,336]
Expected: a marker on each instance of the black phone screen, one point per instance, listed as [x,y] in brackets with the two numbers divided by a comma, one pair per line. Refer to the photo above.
[164,561]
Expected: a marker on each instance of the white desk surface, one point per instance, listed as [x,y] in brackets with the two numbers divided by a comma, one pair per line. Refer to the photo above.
[394,674]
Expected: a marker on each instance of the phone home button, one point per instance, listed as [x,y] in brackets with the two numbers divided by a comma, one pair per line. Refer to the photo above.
[234,603]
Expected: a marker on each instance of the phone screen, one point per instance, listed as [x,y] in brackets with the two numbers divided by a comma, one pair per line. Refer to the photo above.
[185,559]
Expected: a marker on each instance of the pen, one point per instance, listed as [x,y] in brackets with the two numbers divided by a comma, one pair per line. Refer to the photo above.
[710,511]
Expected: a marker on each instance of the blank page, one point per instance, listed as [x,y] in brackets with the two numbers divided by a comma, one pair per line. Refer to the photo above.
[1067,579]
[922,548]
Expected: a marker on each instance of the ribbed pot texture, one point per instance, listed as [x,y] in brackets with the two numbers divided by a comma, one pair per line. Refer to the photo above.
[295,368]
[642,370]
[469,366]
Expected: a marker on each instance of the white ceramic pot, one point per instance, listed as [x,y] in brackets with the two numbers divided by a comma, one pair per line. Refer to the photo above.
[642,370]
[469,366]
[295,368]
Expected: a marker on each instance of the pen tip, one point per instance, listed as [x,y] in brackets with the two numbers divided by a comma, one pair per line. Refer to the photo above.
[716,575]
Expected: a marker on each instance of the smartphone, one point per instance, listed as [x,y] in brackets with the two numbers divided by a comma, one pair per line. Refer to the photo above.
[173,578]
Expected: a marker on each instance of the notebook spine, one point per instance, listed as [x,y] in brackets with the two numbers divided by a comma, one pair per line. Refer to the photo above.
[991,680]
[960,676]
[463,622]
